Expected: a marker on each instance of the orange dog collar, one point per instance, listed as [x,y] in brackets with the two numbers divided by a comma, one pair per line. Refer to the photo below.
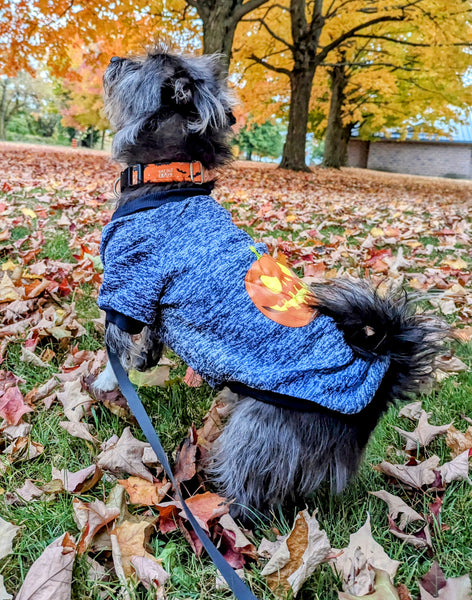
[174,172]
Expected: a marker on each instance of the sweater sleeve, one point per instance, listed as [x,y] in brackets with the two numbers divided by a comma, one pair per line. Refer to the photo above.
[133,278]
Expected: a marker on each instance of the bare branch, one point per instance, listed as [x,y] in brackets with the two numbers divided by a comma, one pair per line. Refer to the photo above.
[267,65]
[351,33]
[270,32]
[246,8]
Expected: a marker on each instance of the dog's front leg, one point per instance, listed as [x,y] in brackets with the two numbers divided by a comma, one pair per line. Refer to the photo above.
[140,352]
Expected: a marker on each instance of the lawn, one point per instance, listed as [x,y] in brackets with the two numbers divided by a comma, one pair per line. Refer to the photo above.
[54,202]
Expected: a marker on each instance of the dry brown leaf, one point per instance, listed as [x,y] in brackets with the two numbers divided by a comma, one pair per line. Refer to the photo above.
[29,490]
[8,291]
[450,364]
[396,506]
[13,432]
[7,533]
[457,441]
[124,455]
[75,402]
[412,411]
[185,466]
[152,378]
[415,476]
[456,469]
[149,571]
[79,430]
[300,553]
[384,589]
[424,433]
[143,492]
[50,576]
[419,539]
[434,586]
[90,517]
[132,538]
[206,508]
[80,481]
[240,540]
[358,560]
[4,595]
[23,448]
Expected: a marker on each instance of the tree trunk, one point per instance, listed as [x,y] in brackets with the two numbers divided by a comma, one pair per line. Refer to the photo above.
[301,81]
[249,154]
[102,143]
[337,134]
[3,102]
[218,33]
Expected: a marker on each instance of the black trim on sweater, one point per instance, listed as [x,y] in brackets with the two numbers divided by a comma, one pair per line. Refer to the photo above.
[157,199]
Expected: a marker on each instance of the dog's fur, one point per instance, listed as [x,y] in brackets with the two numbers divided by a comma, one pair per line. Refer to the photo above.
[171,108]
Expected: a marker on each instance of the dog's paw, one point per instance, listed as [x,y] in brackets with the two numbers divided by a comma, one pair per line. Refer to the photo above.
[106,381]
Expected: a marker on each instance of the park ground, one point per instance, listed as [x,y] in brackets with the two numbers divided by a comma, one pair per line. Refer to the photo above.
[413,231]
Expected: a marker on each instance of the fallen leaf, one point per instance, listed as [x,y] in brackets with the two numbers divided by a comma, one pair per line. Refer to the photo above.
[155,377]
[457,441]
[424,433]
[415,476]
[8,291]
[4,595]
[75,402]
[457,469]
[357,562]
[124,455]
[7,533]
[132,538]
[450,364]
[413,411]
[396,506]
[23,448]
[435,586]
[185,466]
[384,589]
[149,571]
[206,508]
[50,576]
[419,539]
[192,379]
[300,553]
[28,491]
[79,430]
[13,406]
[144,493]
[80,481]
[90,517]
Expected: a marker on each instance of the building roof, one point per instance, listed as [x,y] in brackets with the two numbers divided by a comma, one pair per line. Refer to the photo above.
[456,134]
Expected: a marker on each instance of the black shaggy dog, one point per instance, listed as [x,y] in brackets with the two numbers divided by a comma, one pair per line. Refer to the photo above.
[277,445]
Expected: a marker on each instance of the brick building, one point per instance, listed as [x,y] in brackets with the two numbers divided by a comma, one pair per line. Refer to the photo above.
[439,157]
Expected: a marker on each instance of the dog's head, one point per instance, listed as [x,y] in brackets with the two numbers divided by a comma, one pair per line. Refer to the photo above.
[168,107]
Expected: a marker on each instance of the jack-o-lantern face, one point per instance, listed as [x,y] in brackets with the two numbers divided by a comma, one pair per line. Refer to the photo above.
[279,294]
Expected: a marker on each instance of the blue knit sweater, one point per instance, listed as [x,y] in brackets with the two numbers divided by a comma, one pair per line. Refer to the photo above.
[179,262]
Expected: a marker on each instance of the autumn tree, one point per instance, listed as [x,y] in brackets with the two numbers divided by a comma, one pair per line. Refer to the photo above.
[83,87]
[394,83]
[26,96]
[300,35]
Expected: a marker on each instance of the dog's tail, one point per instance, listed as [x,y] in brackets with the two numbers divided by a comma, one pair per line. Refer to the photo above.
[376,324]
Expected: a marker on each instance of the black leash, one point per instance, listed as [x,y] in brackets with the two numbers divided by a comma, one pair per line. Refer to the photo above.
[237,586]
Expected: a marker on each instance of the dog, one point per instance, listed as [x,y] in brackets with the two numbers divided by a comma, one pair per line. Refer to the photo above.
[313,369]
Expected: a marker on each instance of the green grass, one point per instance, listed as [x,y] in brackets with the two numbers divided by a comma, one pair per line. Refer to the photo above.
[173,410]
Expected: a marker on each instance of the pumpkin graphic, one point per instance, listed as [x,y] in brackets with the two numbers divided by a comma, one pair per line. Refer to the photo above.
[278,293]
